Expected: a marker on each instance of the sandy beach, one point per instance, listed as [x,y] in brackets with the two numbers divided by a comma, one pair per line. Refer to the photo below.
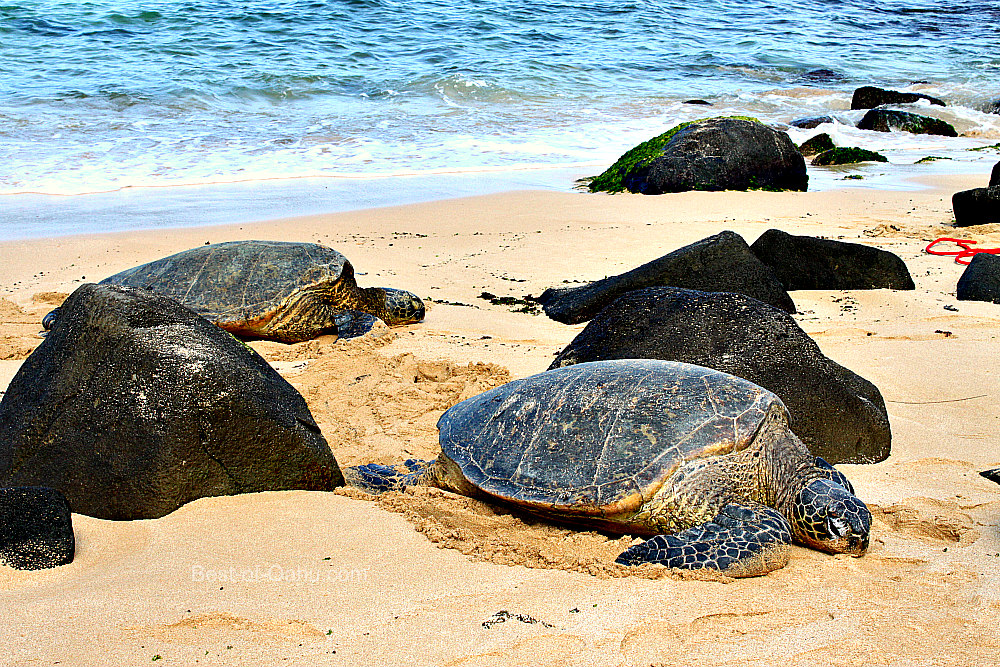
[429,578]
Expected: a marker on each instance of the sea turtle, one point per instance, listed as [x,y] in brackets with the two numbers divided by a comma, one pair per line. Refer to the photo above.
[701,459]
[282,291]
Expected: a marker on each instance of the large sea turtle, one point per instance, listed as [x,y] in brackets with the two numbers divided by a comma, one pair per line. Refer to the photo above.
[282,291]
[701,459]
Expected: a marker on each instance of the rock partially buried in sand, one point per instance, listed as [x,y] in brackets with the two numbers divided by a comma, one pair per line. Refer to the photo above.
[700,459]
[886,120]
[719,263]
[713,154]
[838,414]
[979,206]
[288,292]
[36,528]
[992,475]
[134,405]
[807,262]
[981,279]
[869,97]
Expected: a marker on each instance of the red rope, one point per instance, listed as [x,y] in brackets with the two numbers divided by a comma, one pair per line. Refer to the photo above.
[963,256]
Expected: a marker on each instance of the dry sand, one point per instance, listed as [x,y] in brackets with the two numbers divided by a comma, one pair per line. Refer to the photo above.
[428,578]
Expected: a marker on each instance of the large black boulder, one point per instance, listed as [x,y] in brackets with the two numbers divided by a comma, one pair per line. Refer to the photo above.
[995,175]
[869,97]
[36,528]
[979,206]
[714,154]
[807,262]
[719,263]
[134,405]
[837,414]
[981,279]
[886,120]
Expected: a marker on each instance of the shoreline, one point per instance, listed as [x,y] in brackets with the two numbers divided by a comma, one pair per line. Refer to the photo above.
[168,207]
[427,569]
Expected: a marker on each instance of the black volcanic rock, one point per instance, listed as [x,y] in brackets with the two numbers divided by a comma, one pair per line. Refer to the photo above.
[816,145]
[714,154]
[995,175]
[36,528]
[807,262]
[723,263]
[847,155]
[134,405]
[837,414]
[869,97]
[979,206]
[811,122]
[981,279]
[886,120]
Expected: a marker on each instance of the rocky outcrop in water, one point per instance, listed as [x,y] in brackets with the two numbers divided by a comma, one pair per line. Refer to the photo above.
[715,154]
[36,528]
[886,120]
[847,156]
[811,122]
[869,97]
[816,145]
[979,206]
[807,262]
[719,263]
[981,279]
[838,414]
[134,405]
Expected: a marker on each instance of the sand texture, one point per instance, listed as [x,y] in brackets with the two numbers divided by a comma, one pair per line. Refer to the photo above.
[425,577]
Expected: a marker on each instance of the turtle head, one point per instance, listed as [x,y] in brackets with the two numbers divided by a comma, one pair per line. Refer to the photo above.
[828,517]
[402,307]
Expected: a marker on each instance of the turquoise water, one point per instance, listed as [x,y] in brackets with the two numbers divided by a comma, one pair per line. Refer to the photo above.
[100,96]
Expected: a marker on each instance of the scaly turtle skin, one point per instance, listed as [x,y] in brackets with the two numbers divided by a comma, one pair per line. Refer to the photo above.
[287,292]
[699,459]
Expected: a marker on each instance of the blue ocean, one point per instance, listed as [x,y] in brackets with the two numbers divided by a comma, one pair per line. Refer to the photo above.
[320,105]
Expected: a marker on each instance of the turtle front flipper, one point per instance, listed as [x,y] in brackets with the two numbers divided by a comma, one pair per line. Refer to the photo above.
[744,540]
[377,478]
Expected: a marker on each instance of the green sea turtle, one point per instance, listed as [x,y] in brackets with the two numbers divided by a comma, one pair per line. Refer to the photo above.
[281,291]
[701,459]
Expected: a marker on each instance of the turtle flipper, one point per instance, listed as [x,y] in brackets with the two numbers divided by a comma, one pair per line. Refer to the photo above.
[742,541]
[377,478]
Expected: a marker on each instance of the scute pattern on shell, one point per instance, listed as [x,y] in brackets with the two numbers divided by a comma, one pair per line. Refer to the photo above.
[237,281]
[583,437]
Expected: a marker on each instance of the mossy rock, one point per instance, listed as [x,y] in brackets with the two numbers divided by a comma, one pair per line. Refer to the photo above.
[818,144]
[885,120]
[643,154]
[847,156]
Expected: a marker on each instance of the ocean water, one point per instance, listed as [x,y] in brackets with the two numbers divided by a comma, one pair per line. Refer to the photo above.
[341,97]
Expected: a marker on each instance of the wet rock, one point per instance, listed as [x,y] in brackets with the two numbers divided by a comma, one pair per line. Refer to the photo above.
[869,97]
[723,263]
[815,145]
[807,262]
[811,122]
[886,120]
[134,405]
[714,154]
[981,279]
[847,156]
[837,414]
[705,103]
[979,206]
[995,176]
[36,528]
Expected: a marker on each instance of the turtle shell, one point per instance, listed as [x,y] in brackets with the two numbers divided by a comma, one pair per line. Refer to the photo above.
[238,281]
[601,437]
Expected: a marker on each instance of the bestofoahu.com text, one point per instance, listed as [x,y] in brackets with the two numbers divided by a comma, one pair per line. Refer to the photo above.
[275,573]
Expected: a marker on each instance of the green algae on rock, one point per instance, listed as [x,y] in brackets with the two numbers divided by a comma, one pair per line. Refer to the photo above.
[611,179]
[847,156]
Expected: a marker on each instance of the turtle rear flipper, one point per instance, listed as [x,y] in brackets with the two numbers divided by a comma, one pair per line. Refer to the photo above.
[377,478]
[744,540]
